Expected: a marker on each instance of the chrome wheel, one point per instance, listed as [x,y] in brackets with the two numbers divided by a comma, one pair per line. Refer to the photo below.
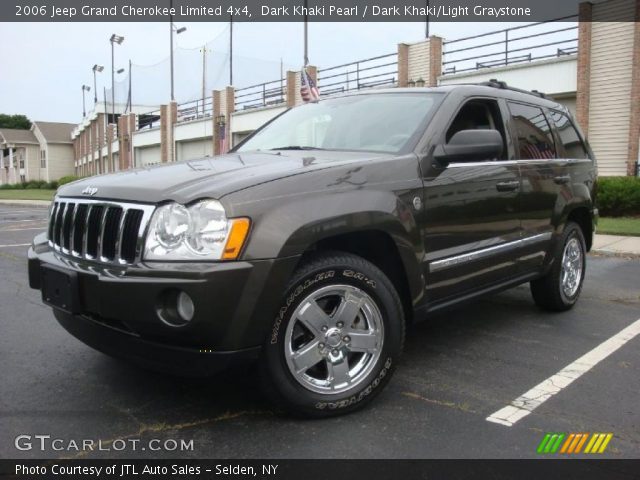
[571,273]
[334,339]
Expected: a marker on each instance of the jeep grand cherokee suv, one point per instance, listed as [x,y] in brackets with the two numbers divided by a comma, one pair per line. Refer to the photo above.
[311,244]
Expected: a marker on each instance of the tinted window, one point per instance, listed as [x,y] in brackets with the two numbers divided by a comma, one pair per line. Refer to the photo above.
[479,114]
[573,146]
[533,132]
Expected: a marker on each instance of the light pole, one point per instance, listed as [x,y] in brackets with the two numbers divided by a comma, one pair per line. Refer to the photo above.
[177,31]
[85,88]
[96,68]
[114,39]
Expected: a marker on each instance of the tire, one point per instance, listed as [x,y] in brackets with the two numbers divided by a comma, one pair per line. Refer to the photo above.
[560,288]
[346,317]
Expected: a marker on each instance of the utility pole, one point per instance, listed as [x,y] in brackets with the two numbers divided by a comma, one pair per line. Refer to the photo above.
[171,46]
[231,50]
[427,22]
[204,75]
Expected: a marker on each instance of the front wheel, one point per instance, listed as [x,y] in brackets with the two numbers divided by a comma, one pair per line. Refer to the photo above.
[560,288]
[336,339]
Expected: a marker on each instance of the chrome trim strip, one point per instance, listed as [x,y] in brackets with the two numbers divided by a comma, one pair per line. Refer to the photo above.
[100,239]
[72,238]
[533,161]
[85,233]
[65,219]
[118,247]
[449,262]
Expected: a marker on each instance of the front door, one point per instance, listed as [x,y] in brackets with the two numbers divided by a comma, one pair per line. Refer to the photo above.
[471,219]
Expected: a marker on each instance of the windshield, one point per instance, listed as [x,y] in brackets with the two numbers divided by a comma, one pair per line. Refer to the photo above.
[379,123]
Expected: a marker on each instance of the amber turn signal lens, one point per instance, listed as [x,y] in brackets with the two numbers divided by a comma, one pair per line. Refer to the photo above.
[237,236]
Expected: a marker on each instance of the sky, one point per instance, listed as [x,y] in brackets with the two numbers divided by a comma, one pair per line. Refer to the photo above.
[44,65]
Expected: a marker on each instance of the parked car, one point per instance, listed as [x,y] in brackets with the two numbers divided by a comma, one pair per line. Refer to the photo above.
[311,245]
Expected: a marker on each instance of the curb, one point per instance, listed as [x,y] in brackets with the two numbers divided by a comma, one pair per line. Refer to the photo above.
[614,253]
[32,203]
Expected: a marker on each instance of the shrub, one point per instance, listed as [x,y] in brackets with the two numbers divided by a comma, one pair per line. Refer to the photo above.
[35,184]
[618,196]
[49,185]
[67,179]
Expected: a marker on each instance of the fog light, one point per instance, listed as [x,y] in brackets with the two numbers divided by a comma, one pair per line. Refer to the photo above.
[185,307]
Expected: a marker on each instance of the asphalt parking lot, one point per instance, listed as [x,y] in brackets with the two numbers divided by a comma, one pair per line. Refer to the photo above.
[458,368]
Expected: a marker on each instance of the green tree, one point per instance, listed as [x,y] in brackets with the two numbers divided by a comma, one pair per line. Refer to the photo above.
[20,122]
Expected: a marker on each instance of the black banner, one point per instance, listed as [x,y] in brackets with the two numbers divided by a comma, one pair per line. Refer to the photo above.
[321,469]
[289,10]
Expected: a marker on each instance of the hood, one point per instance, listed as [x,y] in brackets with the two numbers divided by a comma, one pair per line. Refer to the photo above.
[211,177]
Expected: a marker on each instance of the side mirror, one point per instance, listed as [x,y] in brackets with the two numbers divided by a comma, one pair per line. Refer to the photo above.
[470,145]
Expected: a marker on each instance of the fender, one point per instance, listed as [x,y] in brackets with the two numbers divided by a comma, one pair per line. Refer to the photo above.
[294,227]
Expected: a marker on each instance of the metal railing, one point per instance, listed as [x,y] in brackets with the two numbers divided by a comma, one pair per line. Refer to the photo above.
[535,41]
[149,120]
[261,95]
[195,110]
[367,73]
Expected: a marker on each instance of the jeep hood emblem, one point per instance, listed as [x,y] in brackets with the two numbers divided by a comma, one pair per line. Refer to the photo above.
[90,191]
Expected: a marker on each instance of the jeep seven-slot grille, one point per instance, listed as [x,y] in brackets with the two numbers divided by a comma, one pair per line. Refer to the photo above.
[106,232]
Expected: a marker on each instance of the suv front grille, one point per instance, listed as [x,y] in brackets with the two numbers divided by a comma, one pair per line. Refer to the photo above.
[102,231]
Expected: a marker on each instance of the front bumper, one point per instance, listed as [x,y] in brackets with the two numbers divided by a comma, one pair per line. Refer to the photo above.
[117,308]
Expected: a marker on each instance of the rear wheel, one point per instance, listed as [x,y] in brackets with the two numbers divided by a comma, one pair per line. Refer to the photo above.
[560,288]
[336,339]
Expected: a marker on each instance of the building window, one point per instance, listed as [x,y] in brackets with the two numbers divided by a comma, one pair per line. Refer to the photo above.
[43,159]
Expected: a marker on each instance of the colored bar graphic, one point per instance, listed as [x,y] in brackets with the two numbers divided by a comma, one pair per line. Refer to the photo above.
[543,443]
[567,442]
[605,442]
[572,443]
[582,440]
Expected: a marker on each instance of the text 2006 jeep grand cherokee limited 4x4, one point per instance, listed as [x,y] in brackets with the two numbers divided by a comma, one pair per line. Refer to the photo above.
[311,244]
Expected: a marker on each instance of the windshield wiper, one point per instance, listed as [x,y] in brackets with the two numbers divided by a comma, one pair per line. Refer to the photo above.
[296,147]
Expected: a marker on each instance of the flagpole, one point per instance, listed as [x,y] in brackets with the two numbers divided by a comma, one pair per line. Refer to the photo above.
[306,35]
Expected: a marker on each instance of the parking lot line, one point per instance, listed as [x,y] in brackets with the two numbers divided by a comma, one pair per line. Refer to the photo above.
[529,401]
[16,245]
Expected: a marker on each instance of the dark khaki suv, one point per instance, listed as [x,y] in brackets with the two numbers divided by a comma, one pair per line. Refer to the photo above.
[312,243]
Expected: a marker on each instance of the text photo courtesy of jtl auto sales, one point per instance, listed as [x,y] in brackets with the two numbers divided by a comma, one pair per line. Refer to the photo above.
[347,239]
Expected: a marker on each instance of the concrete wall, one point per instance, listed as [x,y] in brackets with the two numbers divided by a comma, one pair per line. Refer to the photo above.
[553,76]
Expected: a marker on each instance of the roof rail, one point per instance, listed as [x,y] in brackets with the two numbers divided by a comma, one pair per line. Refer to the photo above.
[494,83]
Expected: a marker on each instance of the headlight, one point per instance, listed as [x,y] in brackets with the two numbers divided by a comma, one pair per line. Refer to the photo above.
[201,231]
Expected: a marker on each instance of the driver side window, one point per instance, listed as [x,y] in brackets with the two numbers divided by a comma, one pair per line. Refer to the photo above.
[479,114]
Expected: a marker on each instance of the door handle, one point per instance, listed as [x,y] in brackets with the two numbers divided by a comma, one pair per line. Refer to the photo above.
[507,186]
[562,179]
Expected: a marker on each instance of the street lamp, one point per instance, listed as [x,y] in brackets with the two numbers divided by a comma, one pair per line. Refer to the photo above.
[114,39]
[96,68]
[85,88]
[178,31]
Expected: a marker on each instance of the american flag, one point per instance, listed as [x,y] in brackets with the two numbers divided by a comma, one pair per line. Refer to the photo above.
[308,90]
[222,139]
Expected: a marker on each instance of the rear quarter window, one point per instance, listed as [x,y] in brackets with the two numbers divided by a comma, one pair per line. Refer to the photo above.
[571,141]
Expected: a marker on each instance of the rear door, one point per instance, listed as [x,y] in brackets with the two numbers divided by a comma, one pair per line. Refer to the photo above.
[545,177]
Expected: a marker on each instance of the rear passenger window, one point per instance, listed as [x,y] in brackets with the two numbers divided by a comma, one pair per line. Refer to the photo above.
[533,132]
[573,146]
